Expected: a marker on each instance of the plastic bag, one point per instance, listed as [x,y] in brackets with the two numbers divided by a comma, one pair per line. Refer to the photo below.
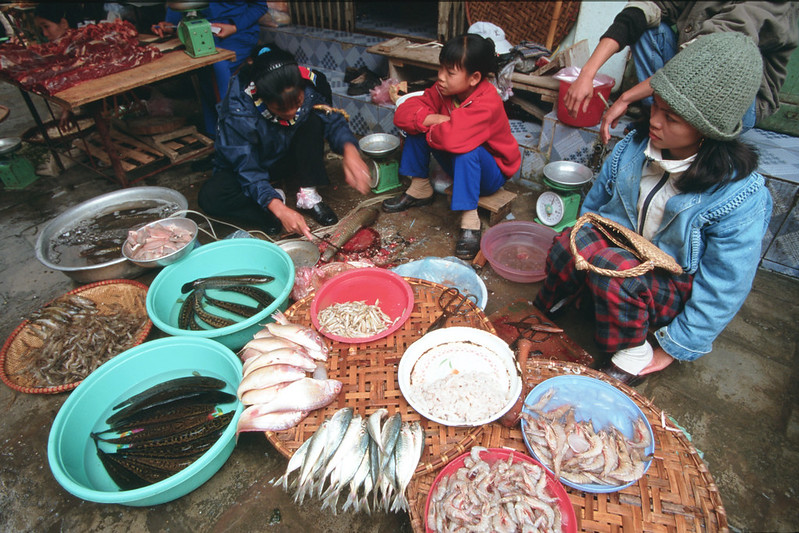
[569,75]
[382,93]
[504,83]
[308,279]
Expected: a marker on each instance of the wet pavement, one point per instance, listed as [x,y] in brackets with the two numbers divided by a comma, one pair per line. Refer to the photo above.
[739,403]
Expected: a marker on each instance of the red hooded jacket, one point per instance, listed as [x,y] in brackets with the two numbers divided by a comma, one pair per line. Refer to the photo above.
[479,121]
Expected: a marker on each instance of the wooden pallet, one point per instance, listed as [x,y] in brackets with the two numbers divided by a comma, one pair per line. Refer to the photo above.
[181,144]
[132,152]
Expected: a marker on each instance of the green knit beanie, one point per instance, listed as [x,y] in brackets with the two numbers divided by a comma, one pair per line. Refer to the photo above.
[712,82]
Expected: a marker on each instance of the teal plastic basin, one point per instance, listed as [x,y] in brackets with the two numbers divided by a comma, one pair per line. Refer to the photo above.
[71,451]
[222,258]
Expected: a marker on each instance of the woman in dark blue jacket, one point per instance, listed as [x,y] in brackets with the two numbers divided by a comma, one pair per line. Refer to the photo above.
[270,132]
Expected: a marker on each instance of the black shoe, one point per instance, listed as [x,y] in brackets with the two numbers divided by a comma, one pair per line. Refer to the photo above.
[362,84]
[403,202]
[468,243]
[350,73]
[625,377]
[322,213]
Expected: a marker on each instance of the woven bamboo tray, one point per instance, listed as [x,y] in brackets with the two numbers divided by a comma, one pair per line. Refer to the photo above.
[22,344]
[526,21]
[676,494]
[369,376]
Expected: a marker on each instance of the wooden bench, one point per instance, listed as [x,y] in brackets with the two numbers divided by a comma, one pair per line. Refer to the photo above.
[498,204]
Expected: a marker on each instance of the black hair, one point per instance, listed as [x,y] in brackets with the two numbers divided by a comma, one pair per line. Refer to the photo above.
[716,163]
[470,52]
[276,76]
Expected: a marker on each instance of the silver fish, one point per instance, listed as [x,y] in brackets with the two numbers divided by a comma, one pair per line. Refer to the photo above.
[346,460]
[311,462]
[295,463]
[338,425]
[373,425]
[406,456]
[357,481]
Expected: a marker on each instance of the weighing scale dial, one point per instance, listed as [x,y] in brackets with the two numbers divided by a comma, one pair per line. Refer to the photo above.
[550,208]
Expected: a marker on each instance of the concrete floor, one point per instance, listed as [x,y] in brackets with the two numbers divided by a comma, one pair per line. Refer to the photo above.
[738,403]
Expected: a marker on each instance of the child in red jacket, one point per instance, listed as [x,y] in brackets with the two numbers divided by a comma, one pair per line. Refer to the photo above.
[462,122]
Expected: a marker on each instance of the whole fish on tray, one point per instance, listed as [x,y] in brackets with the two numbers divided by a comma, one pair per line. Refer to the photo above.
[352,456]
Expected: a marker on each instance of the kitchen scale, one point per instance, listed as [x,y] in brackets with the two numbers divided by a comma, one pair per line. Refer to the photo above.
[380,147]
[558,207]
[16,172]
[194,31]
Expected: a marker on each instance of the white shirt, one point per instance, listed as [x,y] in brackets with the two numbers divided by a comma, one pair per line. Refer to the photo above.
[652,177]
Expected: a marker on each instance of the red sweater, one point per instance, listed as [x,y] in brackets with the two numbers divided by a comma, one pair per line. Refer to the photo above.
[479,121]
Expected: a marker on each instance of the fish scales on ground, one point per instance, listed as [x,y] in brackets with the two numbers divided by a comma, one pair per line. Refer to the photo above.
[341,459]
[575,451]
[502,496]
[157,432]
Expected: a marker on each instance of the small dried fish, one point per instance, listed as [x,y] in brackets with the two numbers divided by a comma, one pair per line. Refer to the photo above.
[354,319]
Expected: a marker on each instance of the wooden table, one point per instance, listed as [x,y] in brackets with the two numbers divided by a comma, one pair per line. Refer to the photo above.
[92,93]
[402,54]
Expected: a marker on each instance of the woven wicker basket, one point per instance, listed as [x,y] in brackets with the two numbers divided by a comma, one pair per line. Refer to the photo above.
[650,255]
[676,494]
[369,375]
[526,21]
[22,343]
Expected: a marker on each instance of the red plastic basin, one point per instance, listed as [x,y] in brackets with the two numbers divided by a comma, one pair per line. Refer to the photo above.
[373,285]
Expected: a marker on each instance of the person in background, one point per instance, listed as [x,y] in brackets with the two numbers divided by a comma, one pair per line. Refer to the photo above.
[235,27]
[657,30]
[462,121]
[687,184]
[270,132]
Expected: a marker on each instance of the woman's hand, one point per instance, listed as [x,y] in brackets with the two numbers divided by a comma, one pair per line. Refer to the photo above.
[433,119]
[356,173]
[163,28]
[579,95]
[660,360]
[293,222]
[611,119]
[225,30]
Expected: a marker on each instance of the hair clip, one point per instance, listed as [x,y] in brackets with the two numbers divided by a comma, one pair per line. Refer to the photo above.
[264,50]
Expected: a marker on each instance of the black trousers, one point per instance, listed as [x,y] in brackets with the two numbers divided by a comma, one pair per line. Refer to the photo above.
[301,166]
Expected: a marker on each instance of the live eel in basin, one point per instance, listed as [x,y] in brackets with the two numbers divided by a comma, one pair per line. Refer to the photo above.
[217,282]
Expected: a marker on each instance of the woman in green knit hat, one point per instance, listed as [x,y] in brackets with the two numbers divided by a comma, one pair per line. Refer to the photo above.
[687,184]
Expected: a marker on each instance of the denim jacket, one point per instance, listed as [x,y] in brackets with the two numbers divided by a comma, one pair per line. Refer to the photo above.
[715,235]
[249,144]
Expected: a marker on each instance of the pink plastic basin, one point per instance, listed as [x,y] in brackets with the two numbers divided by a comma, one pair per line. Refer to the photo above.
[517,250]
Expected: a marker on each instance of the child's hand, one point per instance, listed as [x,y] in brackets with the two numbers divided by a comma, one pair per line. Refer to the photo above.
[356,173]
[611,119]
[433,119]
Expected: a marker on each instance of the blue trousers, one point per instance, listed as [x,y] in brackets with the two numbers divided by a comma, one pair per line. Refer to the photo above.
[474,174]
[654,49]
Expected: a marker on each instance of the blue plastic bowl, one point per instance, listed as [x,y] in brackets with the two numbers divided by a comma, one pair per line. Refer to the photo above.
[598,401]
[222,258]
[71,451]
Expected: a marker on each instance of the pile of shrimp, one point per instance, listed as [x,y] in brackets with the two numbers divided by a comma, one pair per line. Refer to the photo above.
[503,496]
[574,451]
